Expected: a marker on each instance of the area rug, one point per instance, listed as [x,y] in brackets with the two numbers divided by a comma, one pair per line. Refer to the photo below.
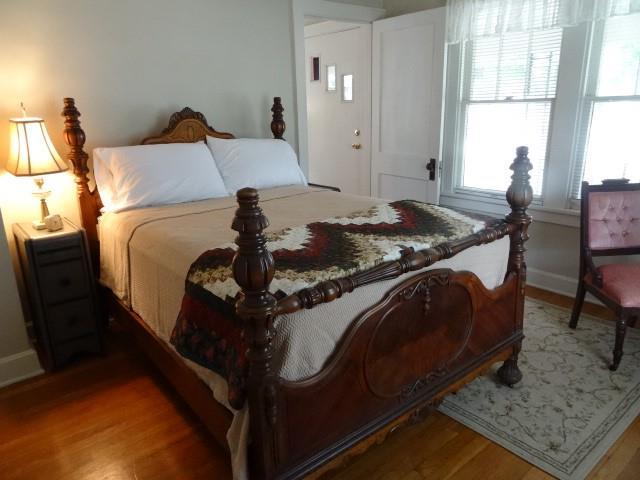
[569,408]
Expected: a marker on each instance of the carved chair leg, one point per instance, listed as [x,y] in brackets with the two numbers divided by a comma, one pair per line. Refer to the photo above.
[577,306]
[621,331]
[509,373]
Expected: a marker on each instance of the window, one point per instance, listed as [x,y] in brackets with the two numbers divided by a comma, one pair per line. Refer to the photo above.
[571,94]
[347,88]
[609,141]
[331,78]
[508,99]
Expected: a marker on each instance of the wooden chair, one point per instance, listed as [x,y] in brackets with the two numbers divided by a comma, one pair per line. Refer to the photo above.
[610,225]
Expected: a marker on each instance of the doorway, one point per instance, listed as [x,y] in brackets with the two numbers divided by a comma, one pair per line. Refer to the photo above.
[399,134]
[338,101]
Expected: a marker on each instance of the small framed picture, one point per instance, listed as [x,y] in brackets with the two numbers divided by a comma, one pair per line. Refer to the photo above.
[332,81]
[315,69]
[347,87]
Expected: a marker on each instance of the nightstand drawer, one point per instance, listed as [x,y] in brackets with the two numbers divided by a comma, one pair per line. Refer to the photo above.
[71,320]
[58,255]
[64,281]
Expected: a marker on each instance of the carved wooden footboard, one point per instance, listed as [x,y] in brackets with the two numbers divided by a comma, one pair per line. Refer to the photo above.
[426,335]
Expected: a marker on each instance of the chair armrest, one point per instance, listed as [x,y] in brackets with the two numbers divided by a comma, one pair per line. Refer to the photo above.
[328,187]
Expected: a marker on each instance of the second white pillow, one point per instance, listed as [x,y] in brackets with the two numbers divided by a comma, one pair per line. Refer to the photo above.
[257,163]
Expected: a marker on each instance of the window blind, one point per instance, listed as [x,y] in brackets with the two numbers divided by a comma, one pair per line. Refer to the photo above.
[508,100]
[610,143]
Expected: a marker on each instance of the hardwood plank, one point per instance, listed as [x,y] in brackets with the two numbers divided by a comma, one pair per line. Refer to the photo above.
[621,454]
[537,474]
[632,470]
[114,417]
[403,451]
[493,462]
[589,308]
[453,455]
[109,417]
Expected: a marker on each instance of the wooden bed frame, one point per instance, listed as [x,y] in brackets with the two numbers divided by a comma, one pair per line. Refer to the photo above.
[426,337]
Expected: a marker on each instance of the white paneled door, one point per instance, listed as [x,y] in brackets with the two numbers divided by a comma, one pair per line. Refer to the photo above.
[407,82]
[339,105]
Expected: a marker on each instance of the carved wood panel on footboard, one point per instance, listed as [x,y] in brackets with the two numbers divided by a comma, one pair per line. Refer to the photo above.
[426,333]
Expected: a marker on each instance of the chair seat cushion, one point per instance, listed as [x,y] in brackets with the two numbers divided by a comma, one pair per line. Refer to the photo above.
[620,282]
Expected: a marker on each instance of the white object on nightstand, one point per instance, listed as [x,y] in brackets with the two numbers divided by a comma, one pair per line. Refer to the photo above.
[53,223]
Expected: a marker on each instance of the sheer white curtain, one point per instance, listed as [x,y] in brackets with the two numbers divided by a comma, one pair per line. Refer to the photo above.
[468,19]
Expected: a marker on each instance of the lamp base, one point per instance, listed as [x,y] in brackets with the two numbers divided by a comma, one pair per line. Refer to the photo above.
[38,225]
[44,209]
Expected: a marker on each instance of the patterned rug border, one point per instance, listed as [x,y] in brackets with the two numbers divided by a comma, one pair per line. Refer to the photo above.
[586,456]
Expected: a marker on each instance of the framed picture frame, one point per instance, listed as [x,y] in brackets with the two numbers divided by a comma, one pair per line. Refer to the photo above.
[332,78]
[347,87]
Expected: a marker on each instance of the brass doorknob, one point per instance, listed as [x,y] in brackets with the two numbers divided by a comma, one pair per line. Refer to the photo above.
[356,146]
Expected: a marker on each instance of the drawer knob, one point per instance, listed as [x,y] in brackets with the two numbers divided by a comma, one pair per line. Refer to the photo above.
[72,321]
[65,282]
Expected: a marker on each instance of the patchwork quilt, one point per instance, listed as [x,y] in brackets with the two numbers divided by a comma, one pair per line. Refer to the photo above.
[208,332]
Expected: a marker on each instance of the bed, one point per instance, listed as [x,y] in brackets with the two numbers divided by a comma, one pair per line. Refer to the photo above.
[404,332]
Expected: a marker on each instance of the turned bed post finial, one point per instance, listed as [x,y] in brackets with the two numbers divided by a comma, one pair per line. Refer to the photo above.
[519,196]
[277,124]
[253,269]
[75,138]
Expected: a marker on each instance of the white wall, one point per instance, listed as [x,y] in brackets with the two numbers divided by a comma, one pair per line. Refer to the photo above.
[17,359]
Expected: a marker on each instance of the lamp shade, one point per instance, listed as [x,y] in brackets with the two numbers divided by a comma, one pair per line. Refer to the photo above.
[31,152]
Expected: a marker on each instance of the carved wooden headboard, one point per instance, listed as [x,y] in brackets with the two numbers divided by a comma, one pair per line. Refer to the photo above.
[185,126]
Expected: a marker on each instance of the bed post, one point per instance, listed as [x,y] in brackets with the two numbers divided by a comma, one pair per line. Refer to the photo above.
[253,270]
[277,124]
[75,137]
[519,196]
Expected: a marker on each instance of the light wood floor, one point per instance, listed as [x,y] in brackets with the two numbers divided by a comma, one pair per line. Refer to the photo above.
[113,417]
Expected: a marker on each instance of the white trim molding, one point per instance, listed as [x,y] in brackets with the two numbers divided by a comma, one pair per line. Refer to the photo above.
[556,283]
[552,282]
[497,205]
[331,11]
[19,366]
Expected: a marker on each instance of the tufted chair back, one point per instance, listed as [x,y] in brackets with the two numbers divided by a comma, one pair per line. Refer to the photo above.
[612,217]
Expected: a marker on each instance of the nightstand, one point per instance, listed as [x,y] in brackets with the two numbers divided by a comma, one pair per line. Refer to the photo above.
[62,293]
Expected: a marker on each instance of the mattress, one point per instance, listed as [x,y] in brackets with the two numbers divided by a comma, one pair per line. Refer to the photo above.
[146,254]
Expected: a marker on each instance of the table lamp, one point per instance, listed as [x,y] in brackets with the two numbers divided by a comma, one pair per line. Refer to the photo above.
[31,154]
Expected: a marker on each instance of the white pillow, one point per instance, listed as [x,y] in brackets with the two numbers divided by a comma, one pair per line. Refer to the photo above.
[257,163]
[149,175]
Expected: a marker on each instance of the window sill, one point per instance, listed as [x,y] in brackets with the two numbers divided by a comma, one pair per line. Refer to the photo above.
[498,206]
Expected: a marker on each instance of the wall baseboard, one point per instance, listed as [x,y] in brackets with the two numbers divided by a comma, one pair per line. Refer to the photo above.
[552,282]
[19,366]
[556,283]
